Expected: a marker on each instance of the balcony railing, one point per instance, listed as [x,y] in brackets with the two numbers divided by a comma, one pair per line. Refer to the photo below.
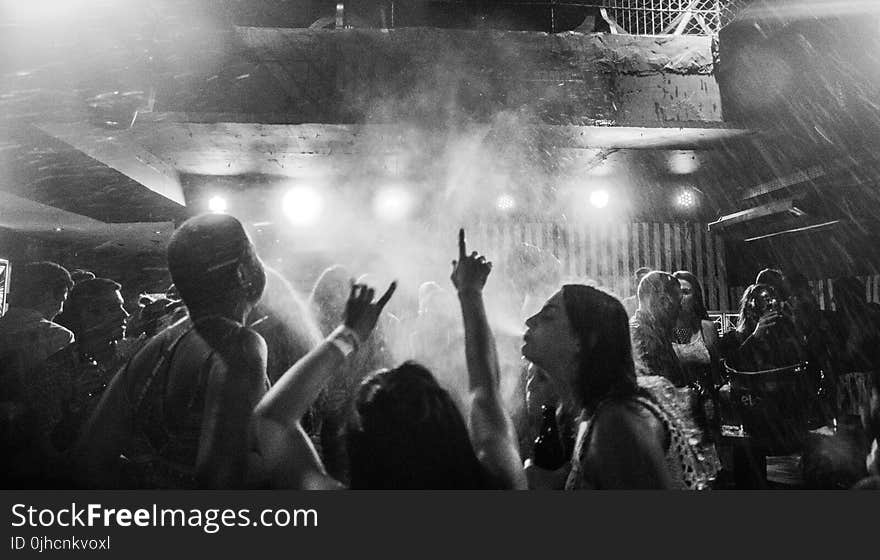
[669,17]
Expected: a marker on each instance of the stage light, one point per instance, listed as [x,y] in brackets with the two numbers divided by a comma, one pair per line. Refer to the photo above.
[683,162]
[686,198]
[505,203]
[393,204]
[302,206]
[599,198]
[217,204]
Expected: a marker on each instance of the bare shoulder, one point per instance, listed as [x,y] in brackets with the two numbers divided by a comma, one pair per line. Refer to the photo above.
[246,338]
[231,339]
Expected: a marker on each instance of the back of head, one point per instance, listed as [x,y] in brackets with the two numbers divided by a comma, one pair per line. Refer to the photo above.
[405,432]
[602,326]
[78,275]
[659,295]
[35,284]
[426,291]
[328,296]
[640,273]
[213,263]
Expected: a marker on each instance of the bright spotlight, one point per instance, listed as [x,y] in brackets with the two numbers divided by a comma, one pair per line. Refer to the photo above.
[217,204]
[302,206]
[686,199]
[599,198]
[683,162]
[505,202]
[393,204]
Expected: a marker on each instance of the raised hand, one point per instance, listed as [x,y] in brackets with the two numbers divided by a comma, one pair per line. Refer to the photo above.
[469,272]
[765,323]
[361,313]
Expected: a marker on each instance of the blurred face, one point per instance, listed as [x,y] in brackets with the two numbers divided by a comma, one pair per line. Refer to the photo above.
[550,342]
[765,300]
[687,297]
[104,317]
[255,275]
[802,303]
[60,305]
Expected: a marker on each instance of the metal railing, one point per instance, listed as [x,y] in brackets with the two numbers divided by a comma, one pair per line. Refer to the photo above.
[669,17]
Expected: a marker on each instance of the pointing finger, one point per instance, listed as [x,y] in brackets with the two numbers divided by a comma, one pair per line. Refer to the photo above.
[462,251]
[387,295]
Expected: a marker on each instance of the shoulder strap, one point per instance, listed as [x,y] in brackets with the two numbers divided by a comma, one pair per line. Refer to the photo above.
[166,354]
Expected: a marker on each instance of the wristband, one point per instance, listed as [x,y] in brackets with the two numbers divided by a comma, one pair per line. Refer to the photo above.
[345,339]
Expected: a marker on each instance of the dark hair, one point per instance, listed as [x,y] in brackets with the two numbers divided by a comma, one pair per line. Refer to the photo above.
[601,325]
[149,316]
[78,275]
[406,433]
[775,278]
[31,284]
[80,296]
[212,262]
[700,313]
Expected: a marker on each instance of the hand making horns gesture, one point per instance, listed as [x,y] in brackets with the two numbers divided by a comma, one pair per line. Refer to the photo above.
[361,314]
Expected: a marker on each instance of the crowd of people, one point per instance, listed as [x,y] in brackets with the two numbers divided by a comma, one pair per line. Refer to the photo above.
[231,380]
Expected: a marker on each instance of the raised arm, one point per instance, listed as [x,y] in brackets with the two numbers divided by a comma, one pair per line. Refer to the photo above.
[281,444]
[491,429]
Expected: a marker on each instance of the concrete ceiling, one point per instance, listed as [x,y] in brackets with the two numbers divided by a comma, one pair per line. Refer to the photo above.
[98,124]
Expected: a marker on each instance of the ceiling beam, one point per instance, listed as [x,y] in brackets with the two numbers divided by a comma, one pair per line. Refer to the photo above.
[769,209]
[28,217]
[118,150]
[312,137]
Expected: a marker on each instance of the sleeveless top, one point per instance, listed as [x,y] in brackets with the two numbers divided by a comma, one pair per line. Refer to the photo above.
[688,467]
[162,456]
[693,352]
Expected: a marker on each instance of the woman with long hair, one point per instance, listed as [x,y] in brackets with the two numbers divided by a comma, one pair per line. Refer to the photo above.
[695,339]
[626,439]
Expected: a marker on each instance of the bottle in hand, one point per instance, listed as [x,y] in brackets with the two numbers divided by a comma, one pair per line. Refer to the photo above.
[549,452]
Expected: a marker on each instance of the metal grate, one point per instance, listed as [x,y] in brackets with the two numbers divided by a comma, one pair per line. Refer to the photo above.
[669,17]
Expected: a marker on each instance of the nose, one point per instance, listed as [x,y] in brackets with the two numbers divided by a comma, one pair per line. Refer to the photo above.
[530,322]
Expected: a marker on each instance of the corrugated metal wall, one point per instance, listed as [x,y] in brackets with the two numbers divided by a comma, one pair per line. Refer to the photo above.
[609,254]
